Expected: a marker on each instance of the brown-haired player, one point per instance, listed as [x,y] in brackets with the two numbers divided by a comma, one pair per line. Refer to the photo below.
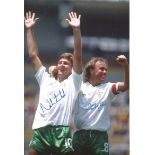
[51,131]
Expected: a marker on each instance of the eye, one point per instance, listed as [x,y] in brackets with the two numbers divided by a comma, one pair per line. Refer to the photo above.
[65,63]
[59,62]
[103,69]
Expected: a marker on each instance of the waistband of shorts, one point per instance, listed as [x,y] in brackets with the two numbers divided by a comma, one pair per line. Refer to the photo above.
[90,131]
[54,126]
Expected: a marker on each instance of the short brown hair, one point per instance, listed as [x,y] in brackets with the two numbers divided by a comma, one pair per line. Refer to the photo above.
[68,56]
[91,65]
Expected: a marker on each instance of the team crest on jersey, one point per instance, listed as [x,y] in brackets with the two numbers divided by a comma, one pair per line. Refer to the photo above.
[99,94]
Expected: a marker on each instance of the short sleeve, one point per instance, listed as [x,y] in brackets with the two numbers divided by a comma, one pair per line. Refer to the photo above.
[76,79]
[40,74]
[114,88]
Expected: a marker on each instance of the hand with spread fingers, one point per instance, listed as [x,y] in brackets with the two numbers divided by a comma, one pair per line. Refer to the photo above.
[58,91]
[30,19]
[74,20]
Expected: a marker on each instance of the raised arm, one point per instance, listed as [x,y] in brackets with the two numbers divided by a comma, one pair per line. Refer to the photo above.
[30,20]
[74,22]
[122,60]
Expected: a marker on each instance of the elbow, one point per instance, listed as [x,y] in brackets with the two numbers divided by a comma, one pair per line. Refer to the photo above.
[125,88]
[32,55]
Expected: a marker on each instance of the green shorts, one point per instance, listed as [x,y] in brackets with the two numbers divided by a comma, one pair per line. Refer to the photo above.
[91,142]
[54,139]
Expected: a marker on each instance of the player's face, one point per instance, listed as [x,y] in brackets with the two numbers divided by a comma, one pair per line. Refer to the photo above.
[100,72]
[64,68]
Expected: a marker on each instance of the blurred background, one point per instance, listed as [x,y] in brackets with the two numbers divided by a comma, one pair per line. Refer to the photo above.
[105,32]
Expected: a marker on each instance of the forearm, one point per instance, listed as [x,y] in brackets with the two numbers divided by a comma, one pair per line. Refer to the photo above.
[33,51]
[77,40]
[32,47]
[77,64]
[126,76]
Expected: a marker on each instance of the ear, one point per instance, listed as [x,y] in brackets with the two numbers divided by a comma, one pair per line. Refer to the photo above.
[91,71]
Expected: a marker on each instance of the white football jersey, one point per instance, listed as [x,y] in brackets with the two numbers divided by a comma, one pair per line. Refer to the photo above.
[56,99]
[92,107]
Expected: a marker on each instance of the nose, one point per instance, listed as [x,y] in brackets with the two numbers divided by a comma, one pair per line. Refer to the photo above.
[104,71]
[61,66]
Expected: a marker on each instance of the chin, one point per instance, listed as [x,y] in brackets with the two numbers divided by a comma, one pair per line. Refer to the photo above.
[102,80]
[60,72]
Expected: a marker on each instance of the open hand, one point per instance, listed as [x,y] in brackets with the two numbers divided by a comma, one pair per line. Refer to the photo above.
[30,19]
[74,20]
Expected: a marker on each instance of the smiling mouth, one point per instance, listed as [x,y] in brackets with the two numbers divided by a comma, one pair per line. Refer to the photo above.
[62,71]
[103,77]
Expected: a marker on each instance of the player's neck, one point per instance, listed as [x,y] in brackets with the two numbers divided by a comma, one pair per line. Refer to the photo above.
[61,79]
[94,82]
